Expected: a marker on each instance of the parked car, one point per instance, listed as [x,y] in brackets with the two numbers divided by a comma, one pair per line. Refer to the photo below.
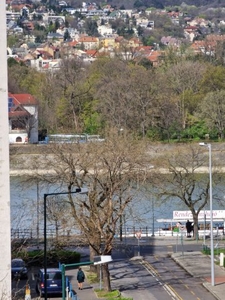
[54,281]
[18,269]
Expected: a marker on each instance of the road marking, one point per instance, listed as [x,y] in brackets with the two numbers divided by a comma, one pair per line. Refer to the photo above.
[150,269]
[173,292]
[154,273]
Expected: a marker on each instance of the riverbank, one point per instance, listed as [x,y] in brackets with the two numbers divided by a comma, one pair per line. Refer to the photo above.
[23,156]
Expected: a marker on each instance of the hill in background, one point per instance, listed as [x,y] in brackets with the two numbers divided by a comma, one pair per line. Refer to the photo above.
[160,4]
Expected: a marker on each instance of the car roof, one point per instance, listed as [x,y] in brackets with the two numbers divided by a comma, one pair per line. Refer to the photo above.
[51,270]
[17,259]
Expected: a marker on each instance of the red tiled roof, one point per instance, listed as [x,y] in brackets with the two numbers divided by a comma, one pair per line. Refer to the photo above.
[154,56]
[24,99]
[88,39]
[73,43]
[144,48]
[91,52]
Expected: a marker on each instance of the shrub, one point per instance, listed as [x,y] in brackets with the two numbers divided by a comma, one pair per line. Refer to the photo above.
[36,257]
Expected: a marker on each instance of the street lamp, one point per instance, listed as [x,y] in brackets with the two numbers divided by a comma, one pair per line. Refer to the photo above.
[153,217]
[45,235]
[211,212]
[38,218]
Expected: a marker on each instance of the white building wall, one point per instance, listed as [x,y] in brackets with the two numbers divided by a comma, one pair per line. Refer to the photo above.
[13,138]
[5,236]
[105,30]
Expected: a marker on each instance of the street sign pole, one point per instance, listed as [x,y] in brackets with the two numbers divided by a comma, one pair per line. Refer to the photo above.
[138,236]
[100,284]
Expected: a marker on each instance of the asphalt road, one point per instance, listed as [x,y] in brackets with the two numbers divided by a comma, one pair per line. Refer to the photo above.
[157,276]
[176,279]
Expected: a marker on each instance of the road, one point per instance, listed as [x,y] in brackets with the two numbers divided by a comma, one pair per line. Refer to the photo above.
[156,276]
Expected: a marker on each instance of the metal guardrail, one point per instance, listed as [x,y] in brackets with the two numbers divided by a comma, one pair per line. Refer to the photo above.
[71,293]
[31,234]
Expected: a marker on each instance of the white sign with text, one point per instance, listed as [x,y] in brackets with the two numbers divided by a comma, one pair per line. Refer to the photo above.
[182,214]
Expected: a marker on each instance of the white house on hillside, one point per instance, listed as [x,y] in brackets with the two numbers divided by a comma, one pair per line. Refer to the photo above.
[23,118]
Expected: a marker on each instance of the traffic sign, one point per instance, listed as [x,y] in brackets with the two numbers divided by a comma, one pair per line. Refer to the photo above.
[138,234]
[102,259]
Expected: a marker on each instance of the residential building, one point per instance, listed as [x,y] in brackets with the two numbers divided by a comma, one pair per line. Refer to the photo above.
[23,118]
[89,42]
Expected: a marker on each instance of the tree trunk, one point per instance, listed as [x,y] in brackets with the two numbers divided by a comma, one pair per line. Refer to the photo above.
[106,277]
[195,219]
[93,268]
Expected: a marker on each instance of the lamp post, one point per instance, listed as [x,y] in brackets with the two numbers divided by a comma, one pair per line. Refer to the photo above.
[38,219]
[153,217]
[211,212]
[45,235]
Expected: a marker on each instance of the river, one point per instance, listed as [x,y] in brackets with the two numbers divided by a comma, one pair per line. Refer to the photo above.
[27,207]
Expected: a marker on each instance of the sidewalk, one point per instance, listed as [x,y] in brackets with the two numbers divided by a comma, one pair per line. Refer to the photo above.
[199,265]
[87,293]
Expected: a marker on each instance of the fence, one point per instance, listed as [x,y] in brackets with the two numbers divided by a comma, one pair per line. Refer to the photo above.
[30,233]
[146,231]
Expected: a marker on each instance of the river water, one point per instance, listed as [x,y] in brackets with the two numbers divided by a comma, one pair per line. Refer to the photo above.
[27,207]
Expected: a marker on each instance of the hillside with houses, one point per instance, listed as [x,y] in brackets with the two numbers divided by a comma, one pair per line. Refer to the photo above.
[90,67]
[40,35]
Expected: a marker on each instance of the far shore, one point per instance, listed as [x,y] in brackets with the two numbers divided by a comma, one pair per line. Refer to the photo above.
[27,172]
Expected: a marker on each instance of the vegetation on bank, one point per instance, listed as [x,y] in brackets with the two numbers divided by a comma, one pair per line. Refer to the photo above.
[54,257]
[182,99]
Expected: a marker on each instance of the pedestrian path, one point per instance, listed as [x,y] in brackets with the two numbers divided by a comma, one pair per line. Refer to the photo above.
[88,291]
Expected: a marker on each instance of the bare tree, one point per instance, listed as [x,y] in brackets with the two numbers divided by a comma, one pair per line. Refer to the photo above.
[109,170]
[184,181]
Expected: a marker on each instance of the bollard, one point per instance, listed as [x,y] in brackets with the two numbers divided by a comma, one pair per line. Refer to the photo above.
[221,259]
[27,292]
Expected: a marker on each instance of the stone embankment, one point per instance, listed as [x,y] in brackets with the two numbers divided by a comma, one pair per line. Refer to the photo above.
[24,157]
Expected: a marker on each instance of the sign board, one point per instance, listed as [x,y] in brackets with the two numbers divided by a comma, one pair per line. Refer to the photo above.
[102,259]
[182,215]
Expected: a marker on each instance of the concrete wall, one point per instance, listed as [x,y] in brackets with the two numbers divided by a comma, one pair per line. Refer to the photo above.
[5,249]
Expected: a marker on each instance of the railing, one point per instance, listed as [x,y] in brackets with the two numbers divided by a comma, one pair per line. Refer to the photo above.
[30,233]
[69,289]
[128,232]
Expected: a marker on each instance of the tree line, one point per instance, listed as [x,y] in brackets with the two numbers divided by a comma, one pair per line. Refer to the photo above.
[182,98]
